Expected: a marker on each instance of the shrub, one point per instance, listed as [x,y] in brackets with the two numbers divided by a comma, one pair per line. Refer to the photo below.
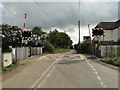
[110,61]
[8,68]
[48,47]
[83,48]
[15,62]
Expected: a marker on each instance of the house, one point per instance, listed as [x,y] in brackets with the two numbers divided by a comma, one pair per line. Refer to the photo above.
[112,31]
[109,45]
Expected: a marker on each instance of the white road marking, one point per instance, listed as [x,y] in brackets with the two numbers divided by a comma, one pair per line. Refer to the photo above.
[45,72]
[96,57]
[43,82]
[49,73]
[95,72]
[103,85]
[98,77]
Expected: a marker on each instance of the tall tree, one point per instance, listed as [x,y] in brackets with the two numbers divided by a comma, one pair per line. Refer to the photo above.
[38,36]
[10,35]
[59,39]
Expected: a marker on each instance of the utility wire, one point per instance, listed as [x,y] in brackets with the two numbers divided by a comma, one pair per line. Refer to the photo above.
[41,8]
[43,11]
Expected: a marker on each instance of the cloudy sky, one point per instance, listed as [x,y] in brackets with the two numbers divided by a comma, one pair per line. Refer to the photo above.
[60,15]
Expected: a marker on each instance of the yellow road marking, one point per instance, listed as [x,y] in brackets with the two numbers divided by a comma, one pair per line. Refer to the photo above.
[81,56]
[78,56]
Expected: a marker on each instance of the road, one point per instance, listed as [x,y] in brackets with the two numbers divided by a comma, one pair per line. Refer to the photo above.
[66,70]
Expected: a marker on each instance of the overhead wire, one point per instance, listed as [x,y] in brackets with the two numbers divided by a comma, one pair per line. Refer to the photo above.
[44,12]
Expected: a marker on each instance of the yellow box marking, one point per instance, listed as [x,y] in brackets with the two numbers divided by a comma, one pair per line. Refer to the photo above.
[81,56]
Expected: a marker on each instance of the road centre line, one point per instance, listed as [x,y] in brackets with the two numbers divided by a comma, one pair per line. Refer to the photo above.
[98,77]
[46,72]
[53,67]
[50,72]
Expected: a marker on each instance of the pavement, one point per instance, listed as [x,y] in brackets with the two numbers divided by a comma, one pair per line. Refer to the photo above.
[64,70]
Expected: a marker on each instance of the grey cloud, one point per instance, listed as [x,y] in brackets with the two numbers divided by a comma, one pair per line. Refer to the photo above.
[62,15]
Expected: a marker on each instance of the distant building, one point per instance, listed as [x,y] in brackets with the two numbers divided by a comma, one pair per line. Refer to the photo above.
[112,31]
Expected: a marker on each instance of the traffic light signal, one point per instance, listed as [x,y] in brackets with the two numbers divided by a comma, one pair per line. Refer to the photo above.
[26,34]
[98,32]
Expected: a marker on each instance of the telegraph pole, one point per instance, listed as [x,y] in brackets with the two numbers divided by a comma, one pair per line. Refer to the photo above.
[79,30]
[90,33]
[79,23]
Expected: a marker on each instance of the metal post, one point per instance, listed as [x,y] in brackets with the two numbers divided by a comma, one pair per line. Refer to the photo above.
[79,30]
[79,23]
[90,33]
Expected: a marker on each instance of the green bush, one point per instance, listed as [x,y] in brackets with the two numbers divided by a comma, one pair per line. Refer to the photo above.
[83,48]
[8,68]
[48,47]
[117,63]
[15,62]
[110,61]
[0,69]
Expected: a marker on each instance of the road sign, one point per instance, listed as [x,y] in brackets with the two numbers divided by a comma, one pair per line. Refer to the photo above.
[96,45]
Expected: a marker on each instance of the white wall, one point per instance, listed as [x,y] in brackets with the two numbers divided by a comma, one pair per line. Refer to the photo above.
[110,51]
[108,35]
[115,34]
[7,59]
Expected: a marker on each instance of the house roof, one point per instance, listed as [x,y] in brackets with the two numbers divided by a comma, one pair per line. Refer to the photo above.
[108,25]
[117,24]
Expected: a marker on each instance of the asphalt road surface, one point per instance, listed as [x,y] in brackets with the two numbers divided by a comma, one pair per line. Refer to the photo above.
[66,70]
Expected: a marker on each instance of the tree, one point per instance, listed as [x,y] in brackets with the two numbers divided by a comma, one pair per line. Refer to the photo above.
[59,39]
[10,36]
[48,47]
[38,31]
[83,48]
[38,37]
[53,38]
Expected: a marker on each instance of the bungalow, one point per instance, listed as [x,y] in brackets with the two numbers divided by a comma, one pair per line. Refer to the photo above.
[111,29]
[109,46]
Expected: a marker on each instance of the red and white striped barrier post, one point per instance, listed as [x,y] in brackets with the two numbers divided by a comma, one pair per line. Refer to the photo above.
[24,26]
[24,20]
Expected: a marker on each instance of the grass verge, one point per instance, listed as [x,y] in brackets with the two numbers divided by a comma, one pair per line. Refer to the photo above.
[11,67]
[114,62]
[61,50]
[0,69]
